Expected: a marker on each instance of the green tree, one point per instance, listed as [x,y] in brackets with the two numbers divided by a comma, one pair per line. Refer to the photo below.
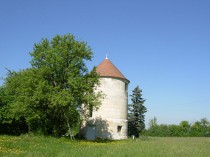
[173,130]
[196,129]
[153,127]
[184,128]
[8,124]
[136,117]
[50,94]
[205,124]
[200,128]
[153,123]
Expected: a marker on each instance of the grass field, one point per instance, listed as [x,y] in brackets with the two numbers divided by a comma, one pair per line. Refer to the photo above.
[38,146]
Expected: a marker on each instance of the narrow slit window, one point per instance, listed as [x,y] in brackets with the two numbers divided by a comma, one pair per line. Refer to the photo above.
[126,87]
[90,111]
[119,128]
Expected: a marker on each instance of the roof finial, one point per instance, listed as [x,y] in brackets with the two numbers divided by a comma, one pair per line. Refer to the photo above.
[106,56]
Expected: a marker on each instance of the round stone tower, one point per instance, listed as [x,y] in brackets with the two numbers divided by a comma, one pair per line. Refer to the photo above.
[110,120]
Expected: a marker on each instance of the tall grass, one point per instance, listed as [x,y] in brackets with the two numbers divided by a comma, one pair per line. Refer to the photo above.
[38,146]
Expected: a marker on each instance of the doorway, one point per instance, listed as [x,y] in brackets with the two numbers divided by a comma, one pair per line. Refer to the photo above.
[91,132]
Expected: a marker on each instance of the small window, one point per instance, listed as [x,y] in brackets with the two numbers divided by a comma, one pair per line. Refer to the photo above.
[90,111]
[119,128]
[126,87]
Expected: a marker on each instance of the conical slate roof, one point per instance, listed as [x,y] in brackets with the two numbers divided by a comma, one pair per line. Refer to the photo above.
[107,69]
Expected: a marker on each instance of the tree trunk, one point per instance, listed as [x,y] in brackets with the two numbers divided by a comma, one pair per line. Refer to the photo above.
[69,128]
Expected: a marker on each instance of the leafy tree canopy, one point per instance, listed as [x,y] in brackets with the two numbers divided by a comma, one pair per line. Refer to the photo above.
[184,129]
[49,95]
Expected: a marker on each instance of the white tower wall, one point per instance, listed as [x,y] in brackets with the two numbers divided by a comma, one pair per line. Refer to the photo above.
[110,120]
[113,110]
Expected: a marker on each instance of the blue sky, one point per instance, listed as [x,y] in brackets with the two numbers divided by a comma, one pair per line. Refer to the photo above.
[161,45]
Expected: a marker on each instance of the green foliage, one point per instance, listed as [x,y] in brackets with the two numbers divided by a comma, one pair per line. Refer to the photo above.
[152,127]
[136,117]
[184,129]
[50,94]
[8,124]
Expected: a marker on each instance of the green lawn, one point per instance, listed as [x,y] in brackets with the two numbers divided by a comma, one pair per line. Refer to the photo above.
[38,146]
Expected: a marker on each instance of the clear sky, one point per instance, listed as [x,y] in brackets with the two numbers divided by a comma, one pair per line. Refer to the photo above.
[161,45]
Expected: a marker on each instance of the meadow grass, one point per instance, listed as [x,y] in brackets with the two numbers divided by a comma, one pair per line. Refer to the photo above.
[40,146]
